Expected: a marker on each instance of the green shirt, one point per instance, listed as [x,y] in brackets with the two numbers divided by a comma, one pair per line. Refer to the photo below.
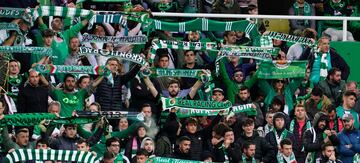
[70,101]
[340,111]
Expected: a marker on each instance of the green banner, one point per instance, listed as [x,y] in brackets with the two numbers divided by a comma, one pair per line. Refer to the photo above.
[168,103]
[26,119]
[282,69]
[61,69]
[26,49]
[12,12]
[137,58]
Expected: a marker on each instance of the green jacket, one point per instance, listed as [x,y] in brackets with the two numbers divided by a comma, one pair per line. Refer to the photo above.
[232,88]
[288,92]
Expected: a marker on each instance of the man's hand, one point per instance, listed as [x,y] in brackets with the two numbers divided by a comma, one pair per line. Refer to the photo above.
[227,143]
[327,132]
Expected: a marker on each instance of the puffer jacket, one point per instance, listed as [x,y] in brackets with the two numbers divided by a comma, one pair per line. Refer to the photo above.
[108,96]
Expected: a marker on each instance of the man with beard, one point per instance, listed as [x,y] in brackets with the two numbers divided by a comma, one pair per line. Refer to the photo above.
[174,89]
[223,146]
[279,133]
[263,150]
[349,139]
[298,126]
[316,103]
[333,86]
[183,151]
[328,154]
[70,98]
[349,99]
[318,135]
[243,98]
[248,153]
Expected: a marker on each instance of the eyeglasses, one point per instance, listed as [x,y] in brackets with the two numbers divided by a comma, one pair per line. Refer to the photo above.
[115,145]
[280,81]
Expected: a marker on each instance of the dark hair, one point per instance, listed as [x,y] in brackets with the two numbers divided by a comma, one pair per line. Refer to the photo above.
[81,140]
[111,140]
[349,93]
[186,51]
[80,80]
[327,144]
[183,138]
[68,76]
[309,33]
[221,129]
[247,144]
[285,142]
[248,121]
[174,81]
[316,91]
[252,7]
[48,33]
[96,104]
[70,125]
[162,55]
[237,70]
[243,88]
[20,129]
[3,101]
[191,120]
[109,155]
[144,105]
[162,52]
[332,71]
[42,141]
[331,108]
[142,151]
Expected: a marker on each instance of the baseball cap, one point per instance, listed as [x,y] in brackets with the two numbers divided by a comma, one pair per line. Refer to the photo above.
[218,90]
[347,117]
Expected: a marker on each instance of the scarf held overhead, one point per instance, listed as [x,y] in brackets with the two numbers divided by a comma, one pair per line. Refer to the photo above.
[57,69]
[115,39]
[196,73]
[290,38]
[123,55]
[168,103]
[170,160]
[282,69]
[26,49]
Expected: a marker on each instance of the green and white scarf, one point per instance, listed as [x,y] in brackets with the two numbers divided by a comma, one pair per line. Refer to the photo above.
[286,37]
[279,70]
[65,12]
[26,49]
[306,9]
[292,125]
[137,58]
[115,39]
[105,1]
[183,45]
[280,158]
[110,18]
[189,73]
[170,160]
[10,27]
[281,137]
[8,12]
[243,158]
[20,155]
[168,103]
[190,112]
[64,69]
[323,64]
[356,158]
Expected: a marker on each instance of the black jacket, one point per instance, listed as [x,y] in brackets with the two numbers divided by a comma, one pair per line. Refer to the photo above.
[336,61]
[108,96]
[298,143]
[33,99]
[232,153]
[311,145]
[140,95]
[199,137]
[179,155]
[264,150]
[270,137]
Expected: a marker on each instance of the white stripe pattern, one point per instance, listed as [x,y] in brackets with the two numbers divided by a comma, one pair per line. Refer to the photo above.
[205,24]
[58,11]
[71,12]
[22,154]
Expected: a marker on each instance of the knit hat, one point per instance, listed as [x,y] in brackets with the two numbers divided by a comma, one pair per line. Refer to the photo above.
[279,115]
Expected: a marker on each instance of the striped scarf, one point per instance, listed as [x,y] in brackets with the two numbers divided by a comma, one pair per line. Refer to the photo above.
[280,158]
[49,154]
[110,18]
[286,37]
[60,11]
[324,65]
[189,73]
[183,45]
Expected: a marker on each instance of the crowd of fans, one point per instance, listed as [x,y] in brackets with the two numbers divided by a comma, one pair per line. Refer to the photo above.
[310,119]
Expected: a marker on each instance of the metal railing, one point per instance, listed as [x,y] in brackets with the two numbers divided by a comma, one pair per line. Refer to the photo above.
[205,15]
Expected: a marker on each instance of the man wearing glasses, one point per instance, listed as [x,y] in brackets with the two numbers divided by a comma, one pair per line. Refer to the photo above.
[349,139]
